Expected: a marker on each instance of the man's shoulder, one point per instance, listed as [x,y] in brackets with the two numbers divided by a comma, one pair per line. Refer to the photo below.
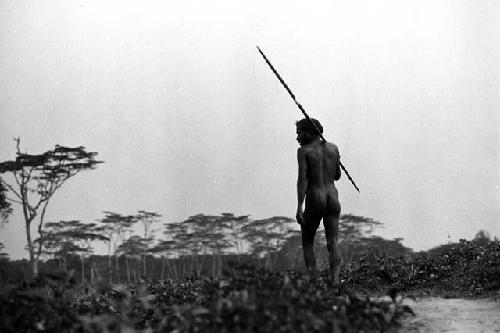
[332,146]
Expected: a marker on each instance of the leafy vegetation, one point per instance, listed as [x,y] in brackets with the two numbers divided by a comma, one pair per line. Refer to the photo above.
[5,205]
[245,300]
[250,299]
[467,268]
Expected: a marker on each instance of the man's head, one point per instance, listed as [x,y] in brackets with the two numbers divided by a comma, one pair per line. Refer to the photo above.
[306,133]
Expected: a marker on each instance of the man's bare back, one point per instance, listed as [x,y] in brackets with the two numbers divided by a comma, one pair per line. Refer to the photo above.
[323,170]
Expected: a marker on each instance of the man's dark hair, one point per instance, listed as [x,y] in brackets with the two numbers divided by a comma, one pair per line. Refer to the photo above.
[305,124]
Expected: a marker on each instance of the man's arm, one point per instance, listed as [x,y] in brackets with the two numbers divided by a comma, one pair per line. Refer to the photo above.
[338,173]
[301,183]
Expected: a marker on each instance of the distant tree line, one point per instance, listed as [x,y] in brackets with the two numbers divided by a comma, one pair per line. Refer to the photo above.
[199,245]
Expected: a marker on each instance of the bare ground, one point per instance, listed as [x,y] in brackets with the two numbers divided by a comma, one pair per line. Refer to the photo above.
[435,314]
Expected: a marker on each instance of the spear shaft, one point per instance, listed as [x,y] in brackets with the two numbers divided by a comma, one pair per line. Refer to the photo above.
[283,83]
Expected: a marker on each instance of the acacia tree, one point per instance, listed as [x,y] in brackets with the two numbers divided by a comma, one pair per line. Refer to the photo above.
[198,236]
[83,234]
[186,236]
[205,234]
[70,237]
[210,231]
[290,254]
[352,230]
[267,236]
[133,247]
[190,244]
[115,226]
[232,226]
[57,242]
[147,219]
[176,247]
[35,179]
[165,249]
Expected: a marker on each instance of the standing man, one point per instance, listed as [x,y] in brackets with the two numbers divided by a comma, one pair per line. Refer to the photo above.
[319,168]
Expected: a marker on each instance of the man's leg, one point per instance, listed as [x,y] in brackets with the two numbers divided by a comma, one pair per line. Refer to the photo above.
[308,233]
[331,223]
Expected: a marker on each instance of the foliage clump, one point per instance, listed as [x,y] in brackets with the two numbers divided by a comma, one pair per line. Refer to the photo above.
[466,268]
[246,299]
[250,299]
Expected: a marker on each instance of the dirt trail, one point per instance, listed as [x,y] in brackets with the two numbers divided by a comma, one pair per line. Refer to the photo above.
[434,314]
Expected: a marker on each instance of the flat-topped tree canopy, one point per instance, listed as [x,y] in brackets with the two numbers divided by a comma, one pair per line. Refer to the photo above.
[58,161]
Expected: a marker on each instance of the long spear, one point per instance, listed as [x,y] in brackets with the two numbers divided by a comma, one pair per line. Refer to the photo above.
[303,111]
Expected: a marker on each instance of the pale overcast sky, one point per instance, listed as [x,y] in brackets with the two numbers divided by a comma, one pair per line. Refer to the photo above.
[177,101]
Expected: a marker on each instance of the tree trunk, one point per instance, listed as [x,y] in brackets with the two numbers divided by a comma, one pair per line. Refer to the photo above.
[110,277]
[135,273]
[97,275]
[31,249]
[219,269]
[192,264]
[297,257]
[173,269]
[184,266]
[179,266]
[238,252]
[83,268]
[110,273]
[268,261]
[213,266]
[117,268]
[65,262]
[128,269]
[144,265]
[162,268]
[187,265]
[34,267]
[137,269]
[199,264]
[92,274]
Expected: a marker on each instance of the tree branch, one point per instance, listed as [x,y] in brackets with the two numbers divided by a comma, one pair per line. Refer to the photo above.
[15,201]
[11,188]
[18,181]
[40,225]
[18,142]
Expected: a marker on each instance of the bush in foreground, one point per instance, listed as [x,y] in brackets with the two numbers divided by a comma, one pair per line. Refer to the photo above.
[469,268]
[247,300]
